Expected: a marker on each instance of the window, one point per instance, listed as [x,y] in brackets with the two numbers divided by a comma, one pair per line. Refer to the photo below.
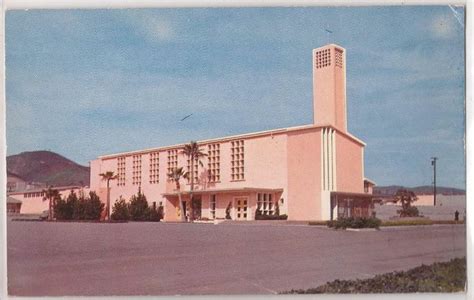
[195,170]
[213,165]
[154,167]
[172,160]
[323,58]
[265,203]
[339,57]
[212,207]
[121,171]
[137,170]
[237,160]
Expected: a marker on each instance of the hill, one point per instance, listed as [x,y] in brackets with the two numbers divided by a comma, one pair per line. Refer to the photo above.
[419,190]
[47,167]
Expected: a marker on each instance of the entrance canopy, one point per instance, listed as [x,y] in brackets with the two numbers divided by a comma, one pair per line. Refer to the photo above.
[225,191]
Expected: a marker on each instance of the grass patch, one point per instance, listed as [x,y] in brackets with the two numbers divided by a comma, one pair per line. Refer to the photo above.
[418,222]
[446,277]
[318,223]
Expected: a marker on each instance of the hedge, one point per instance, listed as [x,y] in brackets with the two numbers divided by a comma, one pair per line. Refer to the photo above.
[444,277]
[352,222]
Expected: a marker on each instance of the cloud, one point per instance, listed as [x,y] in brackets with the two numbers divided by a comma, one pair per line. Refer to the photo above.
[154,28]
[443,26]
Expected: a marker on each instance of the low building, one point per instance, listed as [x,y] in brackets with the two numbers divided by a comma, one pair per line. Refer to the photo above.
[32,201]
[13,205]
[311,172]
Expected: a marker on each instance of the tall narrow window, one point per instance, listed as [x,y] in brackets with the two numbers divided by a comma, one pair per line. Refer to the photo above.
[265,203]
[237,160]
[154,167]
[195,170]
[212,207]
[137,170]
[213,162]
[172,160]
[121,171]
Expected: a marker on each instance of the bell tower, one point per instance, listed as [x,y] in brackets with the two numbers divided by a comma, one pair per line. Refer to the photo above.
[329,86]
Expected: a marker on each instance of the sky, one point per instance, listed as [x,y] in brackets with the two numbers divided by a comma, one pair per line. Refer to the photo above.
[85,83]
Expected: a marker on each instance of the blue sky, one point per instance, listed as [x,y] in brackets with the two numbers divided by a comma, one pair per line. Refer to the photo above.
[85,83]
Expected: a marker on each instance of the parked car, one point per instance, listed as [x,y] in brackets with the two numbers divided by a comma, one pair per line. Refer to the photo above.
[44,215]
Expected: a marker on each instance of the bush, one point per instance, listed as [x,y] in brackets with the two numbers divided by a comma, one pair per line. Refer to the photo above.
[138,207]
[270,217]
[63,209]
[354,222]
[92,207]
[120,210]
[410,211]
[82,208]
[155,215]
[445,277]
[316,223]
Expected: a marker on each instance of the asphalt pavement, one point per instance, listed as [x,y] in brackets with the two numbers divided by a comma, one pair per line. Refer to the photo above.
[58,259]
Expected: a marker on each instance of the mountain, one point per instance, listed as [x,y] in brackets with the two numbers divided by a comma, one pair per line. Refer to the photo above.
[419,190]
[47,167]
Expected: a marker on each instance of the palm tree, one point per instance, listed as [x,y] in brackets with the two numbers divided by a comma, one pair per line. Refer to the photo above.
[51,195]
[193,153]
[175,176]
[108,176]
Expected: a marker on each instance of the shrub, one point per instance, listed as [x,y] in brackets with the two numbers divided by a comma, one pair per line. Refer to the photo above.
[445,277]
[409,211]
[61,210]
[270,217]
[155,214]
[79,208]
[316,223]
[120,210]
[92,207]
[354,222]
[138,207]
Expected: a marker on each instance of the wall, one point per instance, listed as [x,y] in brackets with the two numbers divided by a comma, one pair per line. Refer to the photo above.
[304,175]
[349,165]
[36,205]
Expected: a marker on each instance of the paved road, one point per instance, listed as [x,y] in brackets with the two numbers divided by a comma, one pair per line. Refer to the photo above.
[168,259]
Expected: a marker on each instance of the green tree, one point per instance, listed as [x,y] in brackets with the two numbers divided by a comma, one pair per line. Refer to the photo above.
[138,207]
[52,196]
[120,210]
[108,176]
[93,207]
[64,208]
[176,175]
[406,198]
[194,154]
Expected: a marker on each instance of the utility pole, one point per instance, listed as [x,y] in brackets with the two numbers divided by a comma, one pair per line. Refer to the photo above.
[433,163]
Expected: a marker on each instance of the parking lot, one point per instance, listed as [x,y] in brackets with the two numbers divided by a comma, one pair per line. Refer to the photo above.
[56,259]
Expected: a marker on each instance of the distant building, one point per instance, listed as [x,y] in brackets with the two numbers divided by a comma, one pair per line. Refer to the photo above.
[13,205]
[311,172]
[32,200]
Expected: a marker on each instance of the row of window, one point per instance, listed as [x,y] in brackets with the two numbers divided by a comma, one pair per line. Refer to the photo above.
[213,165]
[33,195]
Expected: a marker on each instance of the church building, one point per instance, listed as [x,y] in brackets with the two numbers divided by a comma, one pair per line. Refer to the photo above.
[310,172]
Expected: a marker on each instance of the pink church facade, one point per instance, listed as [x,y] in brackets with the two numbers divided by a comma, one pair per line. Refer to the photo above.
[311,172]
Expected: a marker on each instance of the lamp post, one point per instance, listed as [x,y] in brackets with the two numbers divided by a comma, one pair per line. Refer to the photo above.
[433,163]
